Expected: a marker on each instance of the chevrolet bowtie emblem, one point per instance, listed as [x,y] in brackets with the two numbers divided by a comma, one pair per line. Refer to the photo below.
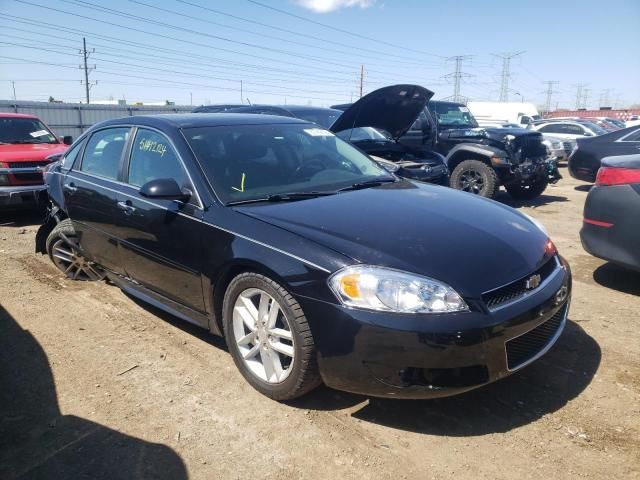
[533,282]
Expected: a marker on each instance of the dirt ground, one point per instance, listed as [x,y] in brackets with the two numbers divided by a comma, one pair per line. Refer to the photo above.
[94,384]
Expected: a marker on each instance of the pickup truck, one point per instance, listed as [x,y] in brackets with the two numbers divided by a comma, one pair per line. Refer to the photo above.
[26,146]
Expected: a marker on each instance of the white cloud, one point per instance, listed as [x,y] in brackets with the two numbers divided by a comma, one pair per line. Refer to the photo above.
[326,6]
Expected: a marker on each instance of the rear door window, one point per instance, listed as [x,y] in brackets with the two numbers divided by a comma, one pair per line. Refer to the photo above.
[632,137]
[104,152]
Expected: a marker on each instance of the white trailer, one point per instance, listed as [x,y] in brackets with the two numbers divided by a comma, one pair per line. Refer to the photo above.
[500,113]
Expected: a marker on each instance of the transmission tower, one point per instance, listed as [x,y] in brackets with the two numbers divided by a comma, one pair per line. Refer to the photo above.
[549,92]
[585,97]
[580,95]
[457,76]
[605,97]
[506,75]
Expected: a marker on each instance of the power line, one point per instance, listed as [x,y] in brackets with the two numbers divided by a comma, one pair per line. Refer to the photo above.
[347,32]
[506,75]
[324,40]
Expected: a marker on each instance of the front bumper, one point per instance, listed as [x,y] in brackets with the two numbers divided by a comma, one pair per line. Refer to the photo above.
[22,195]
[428,356]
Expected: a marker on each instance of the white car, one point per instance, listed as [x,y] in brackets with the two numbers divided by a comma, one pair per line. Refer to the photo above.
[570,130]
[558,148]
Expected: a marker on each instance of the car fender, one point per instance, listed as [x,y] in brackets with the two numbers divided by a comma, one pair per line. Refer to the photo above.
[470,151]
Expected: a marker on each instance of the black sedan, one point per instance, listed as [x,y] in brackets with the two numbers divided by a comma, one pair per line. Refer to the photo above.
[611,212]
[315,263]
[586,157]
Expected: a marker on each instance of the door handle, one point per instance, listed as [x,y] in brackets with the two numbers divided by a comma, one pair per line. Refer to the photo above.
[126,207]
[70,187]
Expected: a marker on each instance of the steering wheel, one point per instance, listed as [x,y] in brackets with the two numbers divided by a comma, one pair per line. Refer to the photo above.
[313,165]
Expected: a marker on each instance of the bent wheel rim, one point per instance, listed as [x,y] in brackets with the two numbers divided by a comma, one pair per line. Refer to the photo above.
[471,181]
[68,259]
[263,336]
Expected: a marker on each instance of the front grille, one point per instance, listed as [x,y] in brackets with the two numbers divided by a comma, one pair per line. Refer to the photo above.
[29,177]
[525,347]
[517,289]
[531,146]
[34,164]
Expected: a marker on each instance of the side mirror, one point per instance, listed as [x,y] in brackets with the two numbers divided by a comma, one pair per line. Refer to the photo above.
[67,139]
[587,134]
[166,188]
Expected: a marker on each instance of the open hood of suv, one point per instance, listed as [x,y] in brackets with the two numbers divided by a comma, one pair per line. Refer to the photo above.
[393,109]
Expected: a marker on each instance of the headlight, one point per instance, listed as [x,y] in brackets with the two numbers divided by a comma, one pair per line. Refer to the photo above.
[388,290]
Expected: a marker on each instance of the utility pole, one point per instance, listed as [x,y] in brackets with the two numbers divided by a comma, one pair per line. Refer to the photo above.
[549,92]
[13,84]
[457,76]
[85,56]
[361,79]
[241,92]
[191,98]
[506,75]
[579,95]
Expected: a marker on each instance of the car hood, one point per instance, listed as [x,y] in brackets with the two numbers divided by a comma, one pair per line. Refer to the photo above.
[498,134]
[393,109]
[30,152]
[472,244]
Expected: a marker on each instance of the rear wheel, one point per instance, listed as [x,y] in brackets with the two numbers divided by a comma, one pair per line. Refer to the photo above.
[527,192]
[475,177]
[269,338]
[63,250]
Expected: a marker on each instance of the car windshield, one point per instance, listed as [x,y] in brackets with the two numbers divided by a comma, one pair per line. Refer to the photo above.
[252,162]
[323,117]
[362,134]
[24,130]
[452,115]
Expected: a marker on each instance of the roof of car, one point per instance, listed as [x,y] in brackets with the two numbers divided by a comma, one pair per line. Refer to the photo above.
[16,115]
[297,108]
[187,120]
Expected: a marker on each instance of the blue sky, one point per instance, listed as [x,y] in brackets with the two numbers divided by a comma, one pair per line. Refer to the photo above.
[153,50]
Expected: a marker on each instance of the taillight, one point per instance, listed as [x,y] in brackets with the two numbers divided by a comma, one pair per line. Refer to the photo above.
[617,176]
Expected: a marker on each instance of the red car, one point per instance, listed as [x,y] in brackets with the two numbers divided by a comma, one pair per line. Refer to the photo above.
[26,145]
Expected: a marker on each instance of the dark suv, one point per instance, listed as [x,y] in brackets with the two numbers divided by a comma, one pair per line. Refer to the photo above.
[481,159]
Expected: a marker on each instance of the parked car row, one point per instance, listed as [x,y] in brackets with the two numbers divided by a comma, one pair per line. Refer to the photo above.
[259,228]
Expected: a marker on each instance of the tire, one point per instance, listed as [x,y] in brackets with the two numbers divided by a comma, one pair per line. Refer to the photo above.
[527,192]
[262,352]
[62,248]
[475,177]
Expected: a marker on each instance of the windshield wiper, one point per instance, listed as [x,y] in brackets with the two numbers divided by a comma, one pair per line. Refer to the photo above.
[368,184]
[15,142]
[284,197]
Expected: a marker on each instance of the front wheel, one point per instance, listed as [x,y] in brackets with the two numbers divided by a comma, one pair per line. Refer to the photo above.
[269,338]
[527,192]
[63,249]
[475,177]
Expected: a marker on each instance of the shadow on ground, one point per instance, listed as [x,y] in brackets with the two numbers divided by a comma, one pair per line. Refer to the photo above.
[618,278]
[583,188]
[543,387]
[21,218]
[38,442]
[544,199]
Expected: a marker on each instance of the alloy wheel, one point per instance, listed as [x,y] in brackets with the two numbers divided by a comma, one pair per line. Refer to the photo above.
[67,257]
[263,335]
[471,181]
